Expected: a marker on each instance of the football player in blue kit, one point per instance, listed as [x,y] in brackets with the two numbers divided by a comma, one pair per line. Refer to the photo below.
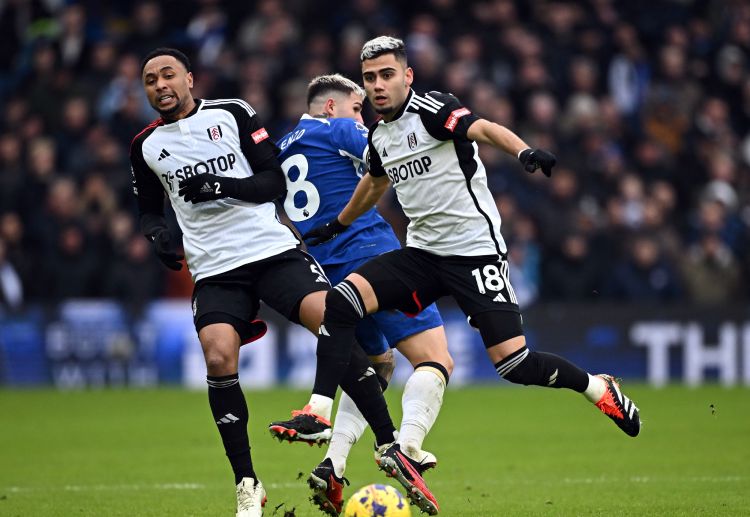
[323,159]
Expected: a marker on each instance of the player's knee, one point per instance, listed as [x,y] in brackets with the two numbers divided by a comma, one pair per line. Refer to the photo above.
[447,362]
[443,359]
[525,367]
[220,360]
[449,367]
[427,346]
[220,349]
[497,326]
[344,305]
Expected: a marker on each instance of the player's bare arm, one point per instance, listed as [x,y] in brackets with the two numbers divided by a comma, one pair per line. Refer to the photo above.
[494,134]
[368,192]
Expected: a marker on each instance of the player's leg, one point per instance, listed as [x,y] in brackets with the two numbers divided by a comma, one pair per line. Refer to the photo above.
[502,334]
[349,424]
[516,363]
[327,479]
[346,304]
[421,339]
[483,291]
[403,280]
[223,315]
[295,286]
[423,394]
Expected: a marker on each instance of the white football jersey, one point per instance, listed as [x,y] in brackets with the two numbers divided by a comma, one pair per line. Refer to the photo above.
[221,137]
[439,179]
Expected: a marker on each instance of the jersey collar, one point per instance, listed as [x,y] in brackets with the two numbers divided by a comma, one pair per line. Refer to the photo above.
[198,104]
[307,116]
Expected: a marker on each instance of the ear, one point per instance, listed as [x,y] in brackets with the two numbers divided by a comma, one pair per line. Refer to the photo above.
[329,107]
[409,76]
[190,79]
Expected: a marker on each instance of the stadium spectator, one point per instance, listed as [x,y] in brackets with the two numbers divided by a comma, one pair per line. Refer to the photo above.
[71,271]
[645,275]
[572,272]
[11,287]
[712,273]
[12,234]
[134,276]
[72,44]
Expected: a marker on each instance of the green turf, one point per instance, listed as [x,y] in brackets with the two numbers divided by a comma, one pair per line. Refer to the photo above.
[501,451]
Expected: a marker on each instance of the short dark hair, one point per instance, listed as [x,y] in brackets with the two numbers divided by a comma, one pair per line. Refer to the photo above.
[324,84]
[382,45]
[166,51]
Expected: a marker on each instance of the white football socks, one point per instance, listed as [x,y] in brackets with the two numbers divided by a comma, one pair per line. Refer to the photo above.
[348,427]
[596,388]
[421,403]
[321,406]
[423,397]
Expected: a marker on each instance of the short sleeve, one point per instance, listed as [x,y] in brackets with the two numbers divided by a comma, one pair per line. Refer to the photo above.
[351,137]
[372,158]
[452,119]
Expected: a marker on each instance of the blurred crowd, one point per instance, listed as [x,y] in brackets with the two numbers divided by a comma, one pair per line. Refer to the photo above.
[645,103]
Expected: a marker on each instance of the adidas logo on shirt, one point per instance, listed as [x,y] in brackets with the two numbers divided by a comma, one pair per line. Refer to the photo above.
[164,154]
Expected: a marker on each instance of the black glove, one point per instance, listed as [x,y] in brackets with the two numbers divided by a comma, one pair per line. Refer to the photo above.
[205,187]
[533,159]
[167,253]
[324,233]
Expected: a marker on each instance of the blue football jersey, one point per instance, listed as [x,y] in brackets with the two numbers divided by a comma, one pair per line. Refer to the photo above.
[323,160]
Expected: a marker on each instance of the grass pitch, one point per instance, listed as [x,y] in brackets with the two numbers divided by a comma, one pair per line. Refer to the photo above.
[501,450]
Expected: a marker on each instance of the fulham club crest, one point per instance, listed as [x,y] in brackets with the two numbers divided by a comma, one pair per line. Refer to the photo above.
[214,133]
[412,140]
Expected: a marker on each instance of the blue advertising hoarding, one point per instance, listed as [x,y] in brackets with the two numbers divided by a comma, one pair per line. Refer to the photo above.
[90,343]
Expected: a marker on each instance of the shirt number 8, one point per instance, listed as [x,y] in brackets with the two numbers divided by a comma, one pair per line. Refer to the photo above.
[298,188]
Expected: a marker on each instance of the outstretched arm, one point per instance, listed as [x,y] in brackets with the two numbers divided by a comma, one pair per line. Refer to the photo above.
[496,135]
[503,138]
[369,189]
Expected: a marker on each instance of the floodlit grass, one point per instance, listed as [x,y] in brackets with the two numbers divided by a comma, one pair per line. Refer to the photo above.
[501,450]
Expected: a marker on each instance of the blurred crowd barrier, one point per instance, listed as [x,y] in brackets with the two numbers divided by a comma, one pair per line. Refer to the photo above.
[101,343]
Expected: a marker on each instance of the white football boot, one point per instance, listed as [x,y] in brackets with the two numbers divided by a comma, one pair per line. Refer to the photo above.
[251,498]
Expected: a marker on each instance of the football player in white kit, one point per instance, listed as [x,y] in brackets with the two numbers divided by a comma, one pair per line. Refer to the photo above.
[219,170]
[425,145]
